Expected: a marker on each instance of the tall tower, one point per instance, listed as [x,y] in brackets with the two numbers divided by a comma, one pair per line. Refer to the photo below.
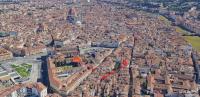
[72,14]
[75,11]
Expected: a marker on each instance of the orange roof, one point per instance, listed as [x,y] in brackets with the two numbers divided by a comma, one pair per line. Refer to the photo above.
[39,86]
[125,62]
[158,95]
[76,59]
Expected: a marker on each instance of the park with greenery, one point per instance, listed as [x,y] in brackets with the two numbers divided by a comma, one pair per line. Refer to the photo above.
[23,69]
[194,41]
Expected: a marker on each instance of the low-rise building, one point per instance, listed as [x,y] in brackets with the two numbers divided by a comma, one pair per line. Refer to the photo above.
[5,54]
[69,52]
[21,90]
[106,44]
[27,51]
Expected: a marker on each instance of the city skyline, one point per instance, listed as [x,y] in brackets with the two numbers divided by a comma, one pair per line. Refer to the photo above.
[99,48]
